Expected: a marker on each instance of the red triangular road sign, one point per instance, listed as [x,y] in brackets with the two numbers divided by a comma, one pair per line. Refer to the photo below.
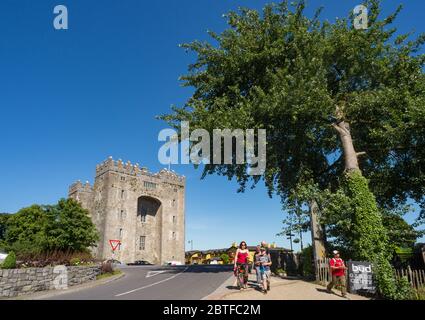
[114,244]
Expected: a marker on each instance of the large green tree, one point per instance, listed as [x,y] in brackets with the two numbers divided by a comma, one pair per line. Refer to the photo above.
[65,226]
[339,104]
[25,230]
[322,91]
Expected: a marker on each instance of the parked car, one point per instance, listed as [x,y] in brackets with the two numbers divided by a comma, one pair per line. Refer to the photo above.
[140,263]
[173,263]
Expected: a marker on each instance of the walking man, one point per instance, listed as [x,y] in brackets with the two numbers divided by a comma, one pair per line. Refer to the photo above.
[338,268]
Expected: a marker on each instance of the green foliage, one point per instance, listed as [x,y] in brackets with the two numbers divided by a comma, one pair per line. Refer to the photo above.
[10,261]
[4,217]
[108,274]
[388,286]
[400,233]
[75,262]
[70,227]
[346,219]
[369,235]
[225,258]
[26,230]
[297,219]
[307,258]
[282,71]
[62,227]
[419,294]
[356,226]
[280,271]
[289,74]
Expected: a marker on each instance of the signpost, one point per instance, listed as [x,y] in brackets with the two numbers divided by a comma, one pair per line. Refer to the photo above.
[360,277]
[114,245]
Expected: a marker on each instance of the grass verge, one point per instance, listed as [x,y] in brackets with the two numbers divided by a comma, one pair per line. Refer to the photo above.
[108,274]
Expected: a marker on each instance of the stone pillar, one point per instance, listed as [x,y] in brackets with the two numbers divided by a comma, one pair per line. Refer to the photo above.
[317,235]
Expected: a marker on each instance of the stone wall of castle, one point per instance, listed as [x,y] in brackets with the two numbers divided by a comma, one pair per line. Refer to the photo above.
[145,211]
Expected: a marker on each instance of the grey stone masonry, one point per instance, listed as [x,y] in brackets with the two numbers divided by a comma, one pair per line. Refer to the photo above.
[17,282]
[144,211]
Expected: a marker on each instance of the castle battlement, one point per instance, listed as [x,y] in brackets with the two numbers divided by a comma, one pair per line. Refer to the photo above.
[80,187]
[135,170]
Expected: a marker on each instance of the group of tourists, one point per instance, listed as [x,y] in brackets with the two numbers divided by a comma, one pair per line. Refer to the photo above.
[261,264]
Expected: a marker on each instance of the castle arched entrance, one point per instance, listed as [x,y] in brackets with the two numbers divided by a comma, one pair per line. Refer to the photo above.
[148,229]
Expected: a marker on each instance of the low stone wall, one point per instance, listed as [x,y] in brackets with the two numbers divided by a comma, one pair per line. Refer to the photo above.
[17,282]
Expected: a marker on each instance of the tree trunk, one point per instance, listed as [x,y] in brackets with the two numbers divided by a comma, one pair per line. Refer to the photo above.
[350,154]
[317,234]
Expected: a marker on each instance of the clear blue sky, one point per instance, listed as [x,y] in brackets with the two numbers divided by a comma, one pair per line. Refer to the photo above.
[69,99]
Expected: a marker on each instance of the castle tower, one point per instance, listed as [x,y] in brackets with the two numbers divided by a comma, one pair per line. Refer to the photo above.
[145,211]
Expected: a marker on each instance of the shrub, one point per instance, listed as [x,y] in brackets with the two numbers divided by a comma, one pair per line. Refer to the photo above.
[75,262]
[10,261]
[55,257]
[388,286]
[419,294]
[307,261]
[279,271]
[63,227]
[225,258]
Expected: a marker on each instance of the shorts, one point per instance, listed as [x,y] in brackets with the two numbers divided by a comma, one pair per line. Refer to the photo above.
[266,274]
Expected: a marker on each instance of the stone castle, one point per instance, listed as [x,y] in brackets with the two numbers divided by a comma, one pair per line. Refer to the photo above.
[144,211]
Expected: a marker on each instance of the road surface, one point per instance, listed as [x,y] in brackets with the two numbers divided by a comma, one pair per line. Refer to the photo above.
[156,283]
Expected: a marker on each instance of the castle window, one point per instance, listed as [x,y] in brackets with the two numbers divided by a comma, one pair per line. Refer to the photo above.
[120,232]
[174,236]
[122,178]
[149,185]
[143,214]
[122,194]
[122,214]
[174,219]
[174,202]
[142,242]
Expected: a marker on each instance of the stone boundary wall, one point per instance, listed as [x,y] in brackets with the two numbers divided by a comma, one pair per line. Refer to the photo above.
[17,282]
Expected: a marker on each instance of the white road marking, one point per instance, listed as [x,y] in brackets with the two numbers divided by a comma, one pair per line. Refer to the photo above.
[154,273]
[151,285]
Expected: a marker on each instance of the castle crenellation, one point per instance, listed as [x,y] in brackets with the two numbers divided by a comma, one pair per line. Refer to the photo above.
[135,170]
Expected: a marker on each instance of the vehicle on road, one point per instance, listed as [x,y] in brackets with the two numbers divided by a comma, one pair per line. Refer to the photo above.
[173,263]
[140,263]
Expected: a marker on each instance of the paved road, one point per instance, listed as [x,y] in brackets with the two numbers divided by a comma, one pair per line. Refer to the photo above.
[156,283]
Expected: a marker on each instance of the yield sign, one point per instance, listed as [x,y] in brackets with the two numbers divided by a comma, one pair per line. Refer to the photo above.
[114,244]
